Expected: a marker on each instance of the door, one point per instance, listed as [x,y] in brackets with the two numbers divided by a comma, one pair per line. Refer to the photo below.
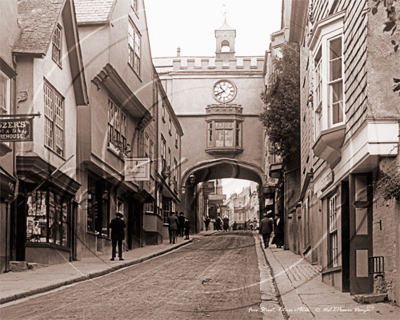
[360,210]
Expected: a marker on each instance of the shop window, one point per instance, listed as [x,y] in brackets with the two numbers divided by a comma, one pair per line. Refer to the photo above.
[54,119]
[134,47]
[166,202]
[98,213]
[48,218]
[117,122]
[333,237]
[56,49]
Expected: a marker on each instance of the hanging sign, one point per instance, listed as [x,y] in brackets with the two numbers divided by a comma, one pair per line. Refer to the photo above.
[137,169]
[16,130]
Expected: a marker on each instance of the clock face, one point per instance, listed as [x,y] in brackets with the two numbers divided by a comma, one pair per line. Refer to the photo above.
[224,91]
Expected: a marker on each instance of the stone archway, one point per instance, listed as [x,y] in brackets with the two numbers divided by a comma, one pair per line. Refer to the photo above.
[211,170]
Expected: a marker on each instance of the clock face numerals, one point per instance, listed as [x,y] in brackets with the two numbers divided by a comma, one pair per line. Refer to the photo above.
[224,91]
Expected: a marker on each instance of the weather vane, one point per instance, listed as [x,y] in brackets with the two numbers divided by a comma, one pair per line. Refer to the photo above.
[225,12]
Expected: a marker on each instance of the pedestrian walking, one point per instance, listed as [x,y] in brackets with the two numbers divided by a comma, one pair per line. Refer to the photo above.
[219,223]
[117,226]
[207,222]
[181,226]
[278,239]
[172,227]
[234,226]
[187,229]
[226,223]
[266,227]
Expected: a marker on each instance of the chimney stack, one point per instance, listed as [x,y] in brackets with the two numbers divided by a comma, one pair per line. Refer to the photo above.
[178,52]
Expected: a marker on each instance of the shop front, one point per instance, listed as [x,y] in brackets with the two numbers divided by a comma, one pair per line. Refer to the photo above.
[7,187]
[45,213]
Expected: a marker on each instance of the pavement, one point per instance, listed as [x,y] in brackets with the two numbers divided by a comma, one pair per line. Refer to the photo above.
[303,295]
[299,290]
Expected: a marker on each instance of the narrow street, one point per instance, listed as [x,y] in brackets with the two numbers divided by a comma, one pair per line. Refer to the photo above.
[215,277]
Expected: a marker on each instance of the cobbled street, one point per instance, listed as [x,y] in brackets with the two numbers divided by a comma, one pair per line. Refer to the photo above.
[215,277]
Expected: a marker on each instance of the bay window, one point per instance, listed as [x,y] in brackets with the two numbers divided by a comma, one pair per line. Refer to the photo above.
[326,45]
[335,107]
[117,127]
[54,119]
[224,134]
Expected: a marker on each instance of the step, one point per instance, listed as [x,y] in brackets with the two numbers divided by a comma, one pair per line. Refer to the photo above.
[371,298]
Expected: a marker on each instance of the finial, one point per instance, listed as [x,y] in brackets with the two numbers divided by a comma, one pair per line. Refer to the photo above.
[225,12]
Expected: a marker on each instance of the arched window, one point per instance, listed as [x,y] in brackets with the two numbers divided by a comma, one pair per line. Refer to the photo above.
[225,47]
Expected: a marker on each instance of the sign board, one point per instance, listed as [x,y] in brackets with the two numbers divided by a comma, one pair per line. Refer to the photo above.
[137,169]
[217,197]
[16,130]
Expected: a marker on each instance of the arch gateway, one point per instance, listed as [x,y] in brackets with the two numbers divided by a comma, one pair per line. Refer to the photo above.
[217,101]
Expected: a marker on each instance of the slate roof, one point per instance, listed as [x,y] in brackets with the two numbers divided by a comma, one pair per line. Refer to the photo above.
[93,11]
[37,19]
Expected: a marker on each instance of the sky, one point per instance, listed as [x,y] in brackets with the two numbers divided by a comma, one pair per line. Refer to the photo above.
[230,186]
[190,25]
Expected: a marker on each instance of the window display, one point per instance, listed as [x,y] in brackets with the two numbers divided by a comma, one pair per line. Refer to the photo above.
[47,218]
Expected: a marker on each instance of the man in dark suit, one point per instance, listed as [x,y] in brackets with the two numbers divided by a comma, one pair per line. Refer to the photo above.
[117,226]
[266,227]
[172,227]
[181,226]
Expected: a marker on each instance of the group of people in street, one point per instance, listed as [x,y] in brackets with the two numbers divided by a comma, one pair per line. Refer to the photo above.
[220,224]
[178,226]
[268,225]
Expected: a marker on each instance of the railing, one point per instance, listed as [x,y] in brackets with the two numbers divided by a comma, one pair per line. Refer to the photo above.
[376,265]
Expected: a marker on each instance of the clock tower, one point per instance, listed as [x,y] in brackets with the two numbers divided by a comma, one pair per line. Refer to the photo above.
[225,37]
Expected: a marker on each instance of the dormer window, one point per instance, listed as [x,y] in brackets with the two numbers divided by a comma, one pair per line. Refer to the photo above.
[56,51]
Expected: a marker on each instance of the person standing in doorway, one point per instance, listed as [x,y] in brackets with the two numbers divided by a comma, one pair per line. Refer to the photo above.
[181,226]
[266,227]
[172,227]
[117,226]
